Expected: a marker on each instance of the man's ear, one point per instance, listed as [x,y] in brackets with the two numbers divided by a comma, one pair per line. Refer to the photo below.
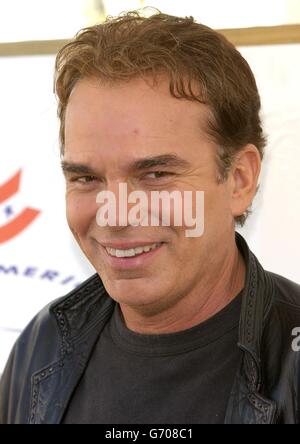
[244,176]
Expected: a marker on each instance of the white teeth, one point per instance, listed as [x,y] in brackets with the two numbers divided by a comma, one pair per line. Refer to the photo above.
[138,250]
[131,251]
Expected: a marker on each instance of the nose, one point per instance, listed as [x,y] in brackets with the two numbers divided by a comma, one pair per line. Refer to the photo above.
[114,206]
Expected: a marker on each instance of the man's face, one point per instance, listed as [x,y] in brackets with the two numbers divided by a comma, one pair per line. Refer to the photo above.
[107,130]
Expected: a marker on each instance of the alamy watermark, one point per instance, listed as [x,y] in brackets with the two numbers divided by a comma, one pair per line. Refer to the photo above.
[296,340]
[163,208]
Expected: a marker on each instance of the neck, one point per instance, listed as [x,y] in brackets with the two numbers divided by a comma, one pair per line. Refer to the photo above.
[210,296]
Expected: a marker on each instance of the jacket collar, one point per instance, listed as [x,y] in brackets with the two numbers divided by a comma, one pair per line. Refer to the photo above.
[81,310]
[256,304]
[247,405]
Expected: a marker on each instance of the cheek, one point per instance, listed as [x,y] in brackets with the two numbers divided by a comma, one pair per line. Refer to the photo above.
[217,207]
[81,212]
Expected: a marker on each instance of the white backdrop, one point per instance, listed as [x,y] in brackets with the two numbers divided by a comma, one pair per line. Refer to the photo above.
[42,262]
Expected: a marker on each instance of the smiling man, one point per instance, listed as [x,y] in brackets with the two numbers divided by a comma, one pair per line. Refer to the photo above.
[117,134]
[171,329]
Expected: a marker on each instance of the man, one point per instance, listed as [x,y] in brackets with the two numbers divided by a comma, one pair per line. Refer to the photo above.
[172,328]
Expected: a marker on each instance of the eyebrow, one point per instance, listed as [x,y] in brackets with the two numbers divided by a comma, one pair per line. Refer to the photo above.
[168,160]
[76,168]
[163,160]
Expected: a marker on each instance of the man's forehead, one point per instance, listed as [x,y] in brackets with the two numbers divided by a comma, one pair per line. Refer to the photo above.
[131,95]
[115,126]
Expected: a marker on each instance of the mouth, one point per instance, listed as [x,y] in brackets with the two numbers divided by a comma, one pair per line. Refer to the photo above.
[136,256]
[132,252]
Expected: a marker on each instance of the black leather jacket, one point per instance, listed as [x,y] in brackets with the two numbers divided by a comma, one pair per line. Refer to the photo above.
[53,351]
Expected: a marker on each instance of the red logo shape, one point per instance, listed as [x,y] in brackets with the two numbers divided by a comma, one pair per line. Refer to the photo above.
[22,220]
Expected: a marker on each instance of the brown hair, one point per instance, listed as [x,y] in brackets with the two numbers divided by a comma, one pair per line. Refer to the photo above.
[132,45]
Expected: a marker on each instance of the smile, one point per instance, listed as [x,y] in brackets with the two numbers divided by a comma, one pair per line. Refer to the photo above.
[132,251]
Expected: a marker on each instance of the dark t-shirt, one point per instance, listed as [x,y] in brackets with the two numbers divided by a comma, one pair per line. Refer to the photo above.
[174,378]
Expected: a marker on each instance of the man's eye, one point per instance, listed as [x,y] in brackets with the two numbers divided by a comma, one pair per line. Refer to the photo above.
[83,179]
[158,174]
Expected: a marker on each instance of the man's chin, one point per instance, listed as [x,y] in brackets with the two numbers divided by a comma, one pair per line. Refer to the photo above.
[132,292]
